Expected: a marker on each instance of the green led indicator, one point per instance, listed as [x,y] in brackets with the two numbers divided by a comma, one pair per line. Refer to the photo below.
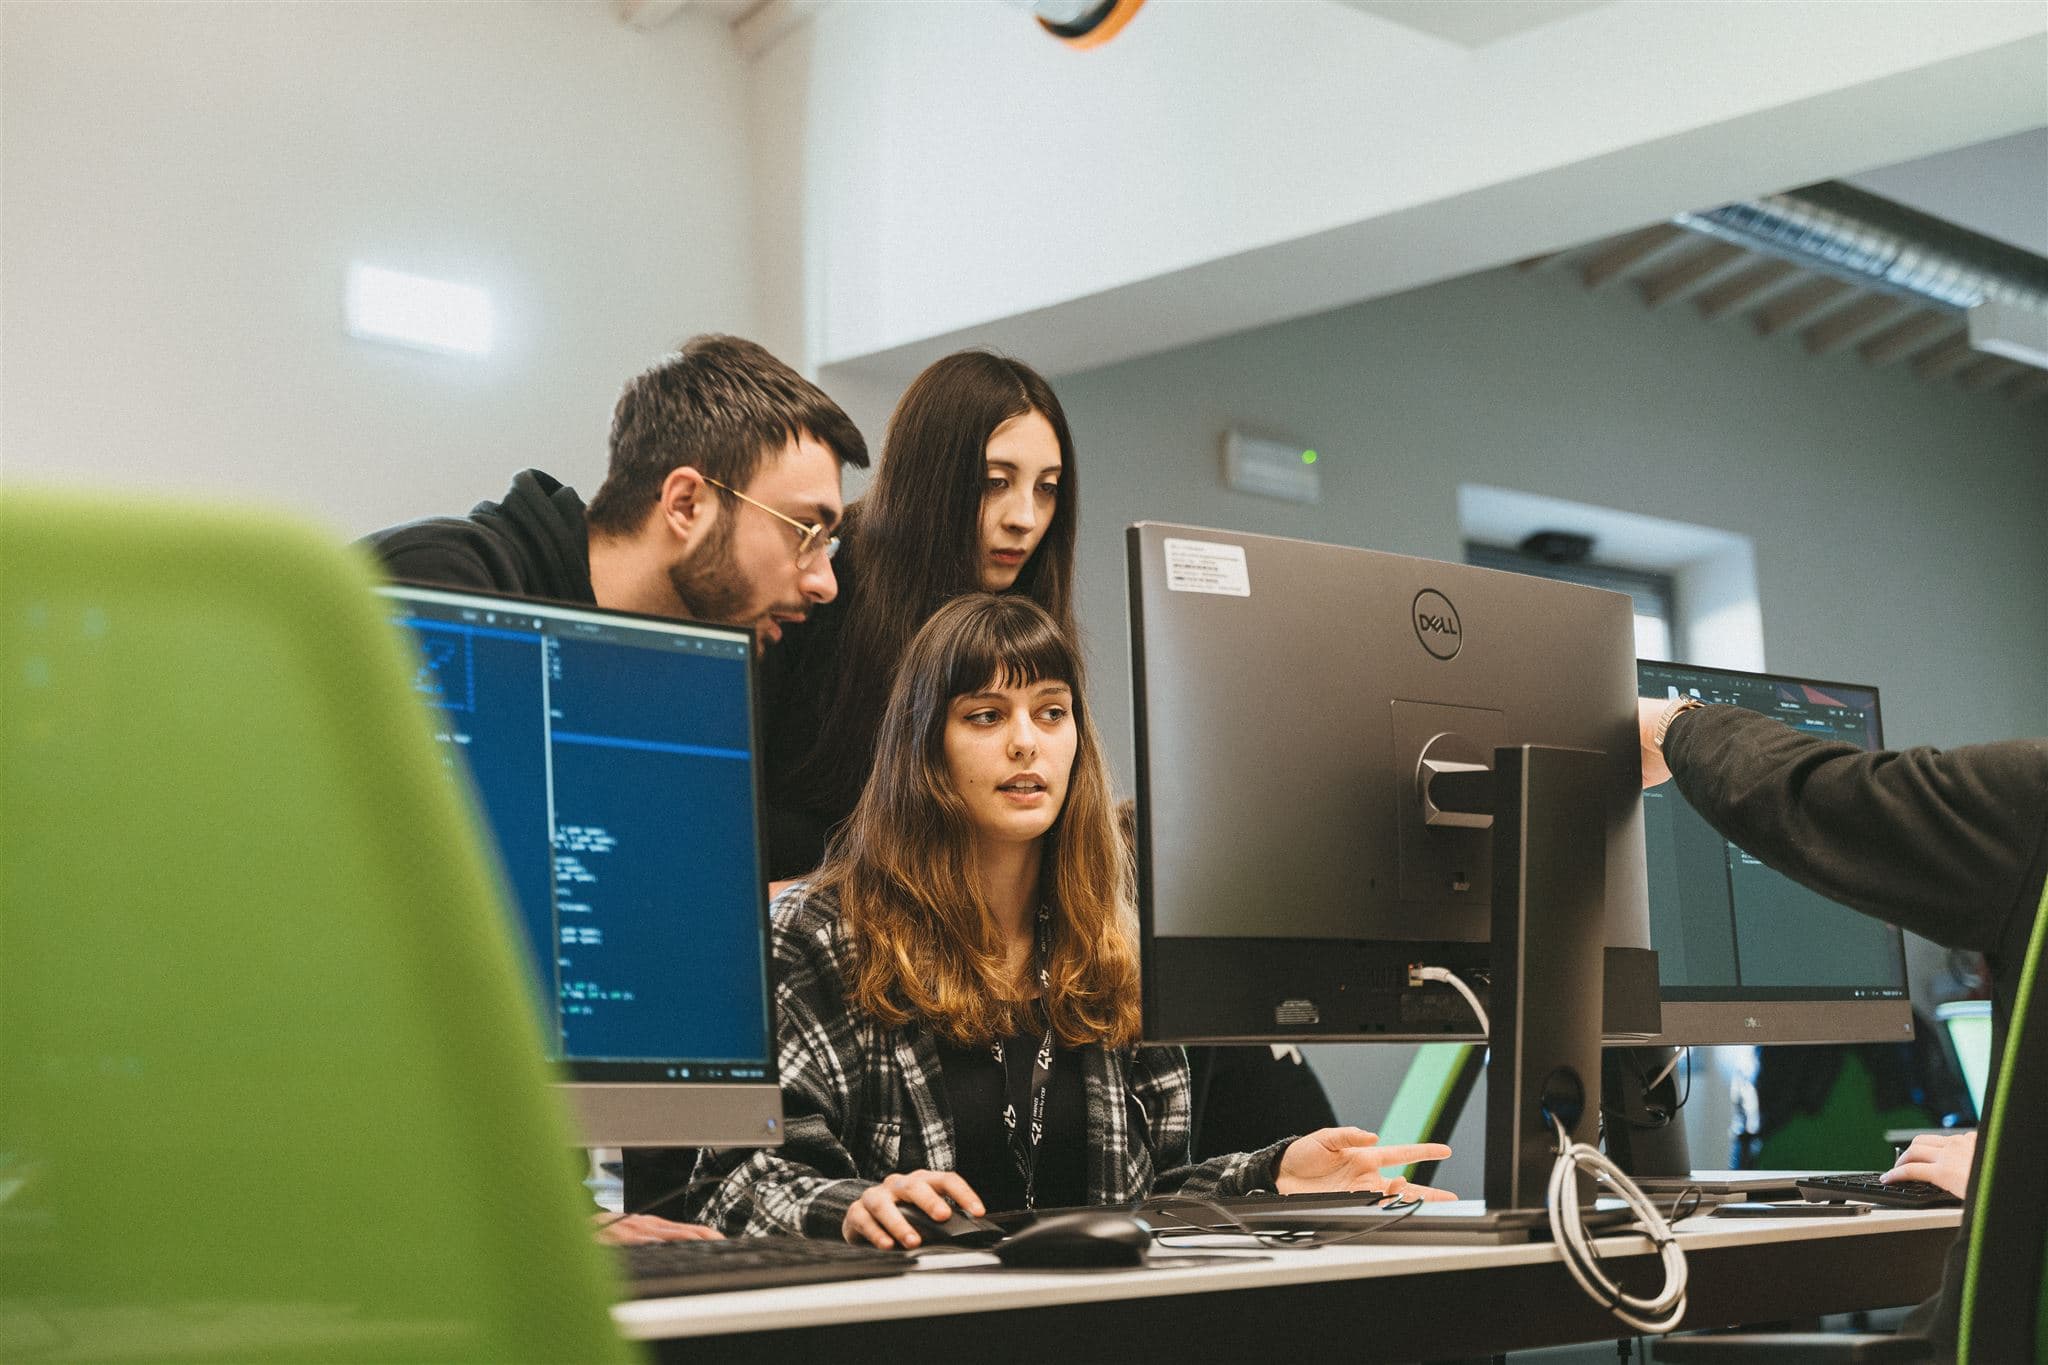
[1308,457]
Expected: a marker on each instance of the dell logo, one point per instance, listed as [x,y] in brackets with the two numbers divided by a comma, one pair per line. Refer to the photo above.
[1437,624]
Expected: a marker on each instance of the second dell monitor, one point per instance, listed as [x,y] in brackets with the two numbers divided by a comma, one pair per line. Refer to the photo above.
[1292,701]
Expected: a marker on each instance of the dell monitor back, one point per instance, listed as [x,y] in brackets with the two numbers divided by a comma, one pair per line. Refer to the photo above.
[612,758]
[1748,955]
[1290,700]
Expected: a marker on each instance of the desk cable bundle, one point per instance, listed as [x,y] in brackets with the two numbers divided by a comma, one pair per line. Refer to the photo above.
[1649,1316]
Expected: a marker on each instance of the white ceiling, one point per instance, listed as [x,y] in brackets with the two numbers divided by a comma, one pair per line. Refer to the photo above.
[1998,188]
[1473,23]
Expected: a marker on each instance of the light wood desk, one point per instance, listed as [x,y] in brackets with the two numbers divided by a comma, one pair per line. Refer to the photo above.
[1387,1302]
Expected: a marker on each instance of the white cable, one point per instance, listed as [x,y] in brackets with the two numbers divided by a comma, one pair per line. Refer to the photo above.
[1678,1055]
[1567,1220]
[1417,975]
[1568,1230]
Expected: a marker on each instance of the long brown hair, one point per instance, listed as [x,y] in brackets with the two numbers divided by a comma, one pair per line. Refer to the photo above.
[903,870]
[915,542]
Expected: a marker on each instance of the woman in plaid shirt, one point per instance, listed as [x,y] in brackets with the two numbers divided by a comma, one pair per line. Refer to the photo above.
[957,987]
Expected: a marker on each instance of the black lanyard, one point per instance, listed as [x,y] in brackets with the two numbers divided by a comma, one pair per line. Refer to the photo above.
[1025,1135]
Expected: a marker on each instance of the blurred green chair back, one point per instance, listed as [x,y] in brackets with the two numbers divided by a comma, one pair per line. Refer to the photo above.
[270,1085]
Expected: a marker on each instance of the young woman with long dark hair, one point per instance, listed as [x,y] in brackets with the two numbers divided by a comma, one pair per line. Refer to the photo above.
[957,986]
[976,492]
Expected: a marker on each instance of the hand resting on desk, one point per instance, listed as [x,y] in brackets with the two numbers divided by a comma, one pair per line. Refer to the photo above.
[1942,1159]
[1334,1159]
[643,1228]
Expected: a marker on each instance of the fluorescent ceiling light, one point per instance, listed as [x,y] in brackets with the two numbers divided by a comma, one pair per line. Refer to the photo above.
[412,310]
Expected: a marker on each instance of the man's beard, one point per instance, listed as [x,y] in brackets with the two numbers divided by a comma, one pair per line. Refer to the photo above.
[708,583]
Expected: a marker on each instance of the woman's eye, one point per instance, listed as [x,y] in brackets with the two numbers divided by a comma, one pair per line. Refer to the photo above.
[1053,713]
[981,718]
[997,483]
[1048,490]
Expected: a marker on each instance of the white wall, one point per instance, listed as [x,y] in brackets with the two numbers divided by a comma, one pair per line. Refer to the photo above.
[1897,526]
[185,185]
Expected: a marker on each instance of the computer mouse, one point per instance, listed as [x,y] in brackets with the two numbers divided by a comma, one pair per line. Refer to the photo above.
[963,1229]
[1095,1237]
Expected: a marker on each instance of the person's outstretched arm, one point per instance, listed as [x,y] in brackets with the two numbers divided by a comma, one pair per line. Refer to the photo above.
[1947,843]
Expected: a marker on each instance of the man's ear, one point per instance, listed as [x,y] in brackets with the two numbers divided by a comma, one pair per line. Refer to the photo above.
[687,506]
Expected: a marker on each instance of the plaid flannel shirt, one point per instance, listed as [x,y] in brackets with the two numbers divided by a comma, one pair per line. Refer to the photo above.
[861,1101]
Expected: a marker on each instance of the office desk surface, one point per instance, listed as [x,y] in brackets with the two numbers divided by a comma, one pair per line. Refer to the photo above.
[1388,1301]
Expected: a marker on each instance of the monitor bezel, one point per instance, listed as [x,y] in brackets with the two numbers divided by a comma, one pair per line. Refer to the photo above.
[1740,1021]
[641,1112]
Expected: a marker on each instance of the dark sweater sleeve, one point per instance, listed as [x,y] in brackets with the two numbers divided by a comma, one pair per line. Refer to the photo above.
[1946,843]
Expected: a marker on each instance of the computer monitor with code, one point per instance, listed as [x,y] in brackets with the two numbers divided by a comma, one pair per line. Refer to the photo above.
[612,758]
[1746,954]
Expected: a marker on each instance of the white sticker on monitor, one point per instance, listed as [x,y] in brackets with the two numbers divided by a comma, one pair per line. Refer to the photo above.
[1204,566]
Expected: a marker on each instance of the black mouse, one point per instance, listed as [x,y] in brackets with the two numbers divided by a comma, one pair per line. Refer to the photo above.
[1094,1237]
[963,1229]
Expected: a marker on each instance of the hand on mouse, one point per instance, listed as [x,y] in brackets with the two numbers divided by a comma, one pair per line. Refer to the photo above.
[875,1218]
[1350,1159]
[1939,1158]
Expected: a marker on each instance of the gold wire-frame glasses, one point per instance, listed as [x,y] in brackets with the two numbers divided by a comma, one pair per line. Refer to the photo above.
[811,536]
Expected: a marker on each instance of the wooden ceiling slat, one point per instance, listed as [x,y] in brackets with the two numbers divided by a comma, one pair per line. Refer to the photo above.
[1795,304]
[1742,287]
[1943,356]
[1674,281]
[1628,252]
[1847,323]
[2026,386]
[1985,371]
[1898,340]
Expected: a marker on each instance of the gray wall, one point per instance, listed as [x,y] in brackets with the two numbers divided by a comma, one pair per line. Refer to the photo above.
[1901,530]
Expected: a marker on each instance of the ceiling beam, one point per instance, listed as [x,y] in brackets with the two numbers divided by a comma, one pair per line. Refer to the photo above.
[1677,280]
[1986,371]
[2027,386]
[1846,323]
[1898,340]
[1746,286]
[1795,304]
[768,22]
[1944,356]
[647,15]
[1625,253]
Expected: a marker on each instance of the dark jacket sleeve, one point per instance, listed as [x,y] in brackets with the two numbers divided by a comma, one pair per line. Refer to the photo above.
[1947,843]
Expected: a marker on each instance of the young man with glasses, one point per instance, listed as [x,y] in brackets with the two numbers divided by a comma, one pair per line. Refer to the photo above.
[720,503]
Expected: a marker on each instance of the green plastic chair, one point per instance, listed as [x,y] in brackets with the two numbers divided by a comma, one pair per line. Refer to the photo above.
[270,1085]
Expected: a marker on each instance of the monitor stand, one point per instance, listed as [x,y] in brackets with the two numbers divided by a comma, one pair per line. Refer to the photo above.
[1549,809]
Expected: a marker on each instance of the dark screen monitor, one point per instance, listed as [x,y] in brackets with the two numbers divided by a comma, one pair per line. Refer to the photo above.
[612,758]
[1749,955]
[1288,696]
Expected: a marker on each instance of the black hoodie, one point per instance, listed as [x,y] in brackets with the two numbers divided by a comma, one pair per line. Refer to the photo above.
[533,544]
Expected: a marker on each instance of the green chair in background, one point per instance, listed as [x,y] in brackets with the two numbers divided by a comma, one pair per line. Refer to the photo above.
[270,1087]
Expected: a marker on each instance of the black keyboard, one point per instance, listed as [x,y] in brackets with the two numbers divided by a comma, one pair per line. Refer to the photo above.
[662,1269]
[1865,1188]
